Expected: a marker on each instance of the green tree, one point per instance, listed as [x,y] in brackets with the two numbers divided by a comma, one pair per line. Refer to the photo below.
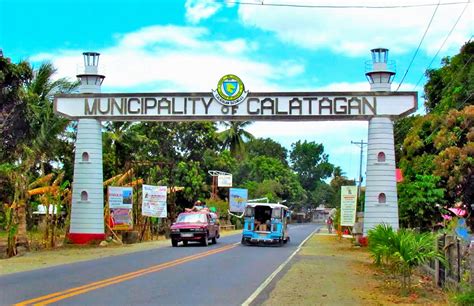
[452,85]
[418,200]
[234,137]
[34,101]
[441,142]
[266,147]
[310,163]
[323,194]
[14,125]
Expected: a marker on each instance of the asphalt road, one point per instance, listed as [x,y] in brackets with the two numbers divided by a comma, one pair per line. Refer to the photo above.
[223,274]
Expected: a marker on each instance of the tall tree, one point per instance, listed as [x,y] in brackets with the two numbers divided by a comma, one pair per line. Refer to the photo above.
[14,127]
[452,85]
[310,163]
[235,136]
[437,150]
[43,129]
[267,147]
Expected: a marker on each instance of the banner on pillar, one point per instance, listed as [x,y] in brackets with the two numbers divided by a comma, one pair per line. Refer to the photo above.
[348,205]
[120,207]
[154,201]
[238,199]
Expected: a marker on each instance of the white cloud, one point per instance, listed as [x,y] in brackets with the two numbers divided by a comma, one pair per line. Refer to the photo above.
[196,10]
[176,58]
[354,31]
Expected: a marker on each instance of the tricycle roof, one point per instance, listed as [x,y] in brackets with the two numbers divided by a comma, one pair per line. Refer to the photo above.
[271,205]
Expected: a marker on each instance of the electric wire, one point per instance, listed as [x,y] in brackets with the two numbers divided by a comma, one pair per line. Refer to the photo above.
[442,45]
[262,3]
[419,45]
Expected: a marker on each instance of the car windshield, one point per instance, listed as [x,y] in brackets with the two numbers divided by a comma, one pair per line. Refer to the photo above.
[192,218]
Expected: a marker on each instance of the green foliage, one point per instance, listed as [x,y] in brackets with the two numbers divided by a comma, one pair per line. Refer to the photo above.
[402,251]
[310,163]
[13,107]
[418,200]
[266,147]
[221,206]
[324,194]
[464,297]
[234,137]
[191,177]
[440,143]
[381,240]
[451,86]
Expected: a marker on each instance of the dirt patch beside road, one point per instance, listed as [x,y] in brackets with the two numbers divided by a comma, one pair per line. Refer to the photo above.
[331,272]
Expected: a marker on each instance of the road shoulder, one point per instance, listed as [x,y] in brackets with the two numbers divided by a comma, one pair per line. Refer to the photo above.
[329,271]
[76,253]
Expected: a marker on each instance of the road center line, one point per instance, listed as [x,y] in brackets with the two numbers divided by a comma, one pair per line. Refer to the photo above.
[60,295]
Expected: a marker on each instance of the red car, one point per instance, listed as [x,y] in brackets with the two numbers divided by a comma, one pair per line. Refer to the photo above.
[199,226]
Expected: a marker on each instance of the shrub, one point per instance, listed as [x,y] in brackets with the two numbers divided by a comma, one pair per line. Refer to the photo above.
[464,298]
[403,251]
[380,243]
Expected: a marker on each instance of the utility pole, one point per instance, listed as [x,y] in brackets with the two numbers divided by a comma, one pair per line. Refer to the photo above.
[361,144]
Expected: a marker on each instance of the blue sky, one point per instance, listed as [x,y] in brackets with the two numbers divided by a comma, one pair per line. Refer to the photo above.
[152,46]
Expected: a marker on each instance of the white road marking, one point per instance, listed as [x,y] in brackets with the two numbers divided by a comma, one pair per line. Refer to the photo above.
[272,276]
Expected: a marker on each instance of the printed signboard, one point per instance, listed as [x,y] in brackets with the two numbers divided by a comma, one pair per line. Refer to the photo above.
[237,199]
[348,205]
[254,106]
[120,206]
[154,201]
[224,180]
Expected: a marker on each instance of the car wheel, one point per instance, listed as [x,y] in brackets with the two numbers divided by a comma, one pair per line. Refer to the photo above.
[243,241]
[205,241]
[185,242]
[214,240]
[174,242]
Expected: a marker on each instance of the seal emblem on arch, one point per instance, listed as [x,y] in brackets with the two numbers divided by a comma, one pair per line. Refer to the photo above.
[230,90]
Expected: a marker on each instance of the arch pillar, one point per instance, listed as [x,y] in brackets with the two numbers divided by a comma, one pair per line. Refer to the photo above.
[380,176]
[87,210]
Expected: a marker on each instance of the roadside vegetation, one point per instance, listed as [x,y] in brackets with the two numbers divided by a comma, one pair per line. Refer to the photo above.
[37,161]
[435,152]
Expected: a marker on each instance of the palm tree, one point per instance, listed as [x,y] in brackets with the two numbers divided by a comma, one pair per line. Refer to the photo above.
[44,128]
[114,139]
[234,137]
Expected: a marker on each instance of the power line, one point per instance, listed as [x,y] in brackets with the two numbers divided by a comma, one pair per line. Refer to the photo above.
[419,45]
[262,3]
[442,45]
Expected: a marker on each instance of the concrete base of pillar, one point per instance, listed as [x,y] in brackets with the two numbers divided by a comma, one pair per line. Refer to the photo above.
[84,238]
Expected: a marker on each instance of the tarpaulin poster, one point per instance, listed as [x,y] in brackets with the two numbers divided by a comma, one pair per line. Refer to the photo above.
[348,205]
[154,201]
[120,206]
[238,199]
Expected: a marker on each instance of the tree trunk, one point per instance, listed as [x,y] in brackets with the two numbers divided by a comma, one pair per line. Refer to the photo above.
[21,237]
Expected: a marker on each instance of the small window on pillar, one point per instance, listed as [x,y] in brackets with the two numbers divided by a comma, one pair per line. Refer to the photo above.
[382,198]
[381,157]
[85,157]
[84,196]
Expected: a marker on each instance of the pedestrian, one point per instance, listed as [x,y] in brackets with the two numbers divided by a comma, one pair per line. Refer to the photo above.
[329,222]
